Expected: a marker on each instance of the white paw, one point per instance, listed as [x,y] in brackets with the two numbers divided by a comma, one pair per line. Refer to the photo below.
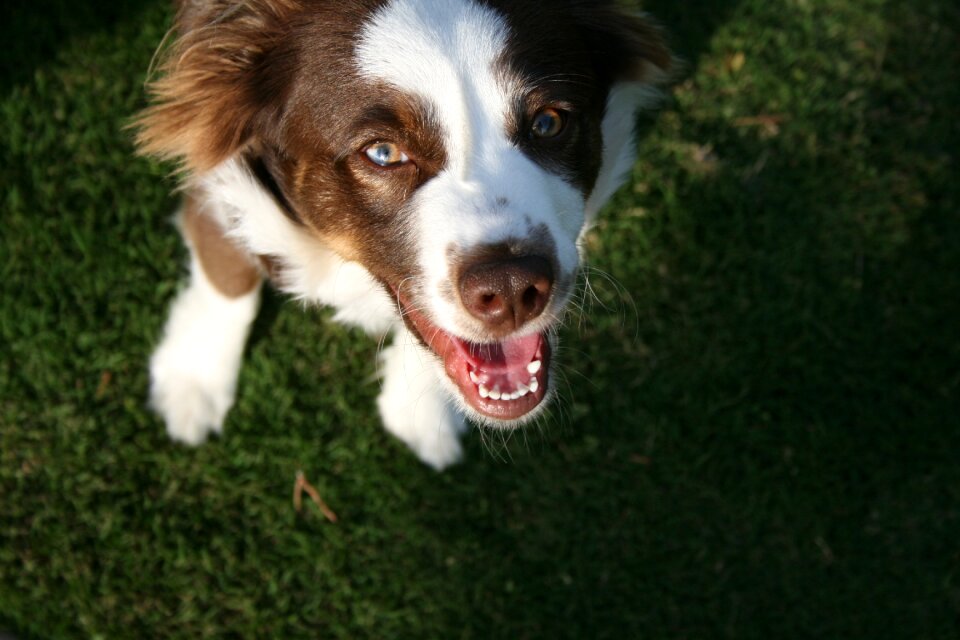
[190,411]
[191,396]
[414,406]
[440,451]
[193,373]
[433,436]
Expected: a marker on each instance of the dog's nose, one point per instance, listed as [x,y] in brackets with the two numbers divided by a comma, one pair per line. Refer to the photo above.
[506,293]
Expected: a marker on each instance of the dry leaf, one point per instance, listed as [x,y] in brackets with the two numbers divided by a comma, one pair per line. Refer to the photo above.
[736,61]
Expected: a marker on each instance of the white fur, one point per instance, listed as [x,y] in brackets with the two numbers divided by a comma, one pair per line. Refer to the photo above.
[619,143]
[442,51]
[193,372]
[415,407]
[310,270]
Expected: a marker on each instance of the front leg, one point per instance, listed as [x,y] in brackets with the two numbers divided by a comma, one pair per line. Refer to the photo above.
[415,407]
[193,372]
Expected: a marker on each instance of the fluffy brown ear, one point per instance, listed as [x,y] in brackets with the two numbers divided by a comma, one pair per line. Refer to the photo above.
[629,56]
[626,47]
[226,73]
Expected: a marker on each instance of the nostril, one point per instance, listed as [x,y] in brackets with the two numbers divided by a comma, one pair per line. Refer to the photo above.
[531,297]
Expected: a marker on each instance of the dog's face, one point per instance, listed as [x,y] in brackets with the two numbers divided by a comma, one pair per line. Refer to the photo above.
[451,147]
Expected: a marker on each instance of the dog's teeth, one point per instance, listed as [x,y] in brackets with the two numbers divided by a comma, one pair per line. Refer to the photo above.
[474,377]
[522,391]
[534,385]
[495,393]
[484,392]
[534,366]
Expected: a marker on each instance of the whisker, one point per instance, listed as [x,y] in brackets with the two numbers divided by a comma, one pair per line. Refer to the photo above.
[622,293]
[506,435]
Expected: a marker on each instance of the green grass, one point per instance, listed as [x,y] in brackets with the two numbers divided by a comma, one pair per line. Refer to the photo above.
[760,433]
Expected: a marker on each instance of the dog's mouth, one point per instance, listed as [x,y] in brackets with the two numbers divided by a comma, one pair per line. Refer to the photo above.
[503,380]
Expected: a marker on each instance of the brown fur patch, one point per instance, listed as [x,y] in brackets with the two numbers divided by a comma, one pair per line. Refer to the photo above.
[623,45]
[358,209]
[223,77]
[275,81]
[229,269]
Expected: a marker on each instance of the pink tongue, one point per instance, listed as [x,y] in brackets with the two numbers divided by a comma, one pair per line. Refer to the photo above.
[503,357]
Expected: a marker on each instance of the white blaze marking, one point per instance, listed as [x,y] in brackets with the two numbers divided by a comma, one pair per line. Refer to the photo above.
[443,51]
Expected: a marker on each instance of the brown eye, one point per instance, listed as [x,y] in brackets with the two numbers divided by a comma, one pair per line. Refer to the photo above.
[385,154]
[547,123]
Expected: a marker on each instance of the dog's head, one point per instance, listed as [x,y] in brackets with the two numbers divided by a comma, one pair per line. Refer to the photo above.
[453,148]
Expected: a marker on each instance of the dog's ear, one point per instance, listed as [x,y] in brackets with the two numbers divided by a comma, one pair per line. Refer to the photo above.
[626,47]
[630,58]
[225,74]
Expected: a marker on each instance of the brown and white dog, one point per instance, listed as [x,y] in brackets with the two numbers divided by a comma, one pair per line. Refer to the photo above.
[425,167]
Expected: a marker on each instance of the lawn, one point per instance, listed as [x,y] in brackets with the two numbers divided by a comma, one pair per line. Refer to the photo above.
[760,429]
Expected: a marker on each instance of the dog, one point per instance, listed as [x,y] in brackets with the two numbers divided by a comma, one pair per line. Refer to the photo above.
[425,167]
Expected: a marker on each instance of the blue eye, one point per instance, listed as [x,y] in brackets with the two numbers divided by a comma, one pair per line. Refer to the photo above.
[547,123]
[386,154]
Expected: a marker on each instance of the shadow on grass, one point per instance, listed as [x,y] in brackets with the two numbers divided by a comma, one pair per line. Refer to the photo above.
[34,30]
[780,439]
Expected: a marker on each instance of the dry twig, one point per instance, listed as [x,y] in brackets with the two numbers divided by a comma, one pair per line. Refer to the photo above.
[302,485]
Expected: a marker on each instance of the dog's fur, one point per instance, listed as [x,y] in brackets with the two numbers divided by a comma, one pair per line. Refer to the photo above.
[426,167]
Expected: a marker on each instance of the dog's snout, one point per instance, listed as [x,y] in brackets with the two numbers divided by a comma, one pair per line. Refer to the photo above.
[507,293]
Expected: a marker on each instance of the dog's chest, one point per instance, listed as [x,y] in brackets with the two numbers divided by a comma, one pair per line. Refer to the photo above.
[304,266]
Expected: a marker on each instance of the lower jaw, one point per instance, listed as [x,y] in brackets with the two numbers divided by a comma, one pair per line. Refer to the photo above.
[517,403]
[500,417]
[500,396]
